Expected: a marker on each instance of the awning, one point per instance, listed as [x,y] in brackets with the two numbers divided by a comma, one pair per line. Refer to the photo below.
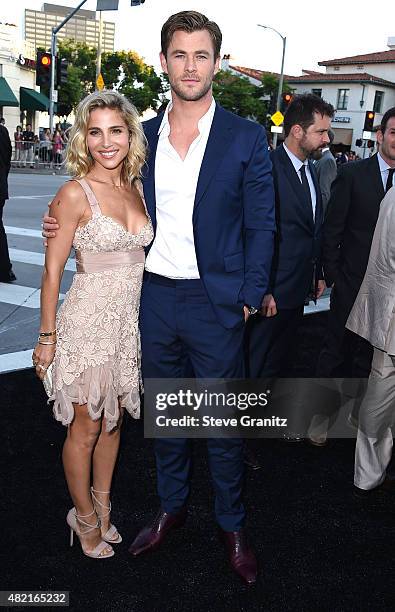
[7,98]
[33,100]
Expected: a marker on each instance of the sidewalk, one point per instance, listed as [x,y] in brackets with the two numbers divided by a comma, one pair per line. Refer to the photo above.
[38,169]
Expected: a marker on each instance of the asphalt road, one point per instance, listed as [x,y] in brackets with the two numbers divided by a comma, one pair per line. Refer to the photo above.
[20,301]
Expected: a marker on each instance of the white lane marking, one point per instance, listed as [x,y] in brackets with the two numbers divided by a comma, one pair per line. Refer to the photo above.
[36,259]
[32,197]
[321,306]
[21,360]
[22,231]
[28,297]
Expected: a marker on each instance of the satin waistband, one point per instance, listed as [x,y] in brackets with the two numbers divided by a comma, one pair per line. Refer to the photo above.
[97,262]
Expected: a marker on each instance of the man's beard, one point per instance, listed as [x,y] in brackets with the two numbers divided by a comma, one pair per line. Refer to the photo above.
[191,96]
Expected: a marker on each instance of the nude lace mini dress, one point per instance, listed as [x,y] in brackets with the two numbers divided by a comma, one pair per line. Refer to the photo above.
[98,352]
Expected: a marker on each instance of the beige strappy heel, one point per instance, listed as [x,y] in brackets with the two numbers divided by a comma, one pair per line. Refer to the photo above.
[75,522]
[112,531]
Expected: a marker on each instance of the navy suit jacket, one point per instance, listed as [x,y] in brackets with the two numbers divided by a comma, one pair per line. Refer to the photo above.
[297,251]
[233,217]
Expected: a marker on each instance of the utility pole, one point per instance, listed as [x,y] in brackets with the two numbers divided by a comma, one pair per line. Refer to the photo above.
[99,49]
[280,83]
[53,59]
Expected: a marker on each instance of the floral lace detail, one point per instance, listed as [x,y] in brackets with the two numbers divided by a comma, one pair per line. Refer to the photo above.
[98,352]
[104,234]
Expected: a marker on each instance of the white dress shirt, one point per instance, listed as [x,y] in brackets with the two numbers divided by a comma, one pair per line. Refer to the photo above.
[297,164]
[384,168]
[173,251]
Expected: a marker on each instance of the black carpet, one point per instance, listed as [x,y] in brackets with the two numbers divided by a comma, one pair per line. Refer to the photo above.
[318,548]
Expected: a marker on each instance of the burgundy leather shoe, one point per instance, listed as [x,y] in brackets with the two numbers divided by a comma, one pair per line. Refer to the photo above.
[241,556]
[152,536]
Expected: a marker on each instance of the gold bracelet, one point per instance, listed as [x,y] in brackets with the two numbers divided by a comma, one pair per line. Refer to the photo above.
[45,334]
[46,343]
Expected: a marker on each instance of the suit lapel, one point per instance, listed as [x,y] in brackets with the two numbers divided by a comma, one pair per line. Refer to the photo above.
[151,133]
[375,174]
[293,178]
[217,147]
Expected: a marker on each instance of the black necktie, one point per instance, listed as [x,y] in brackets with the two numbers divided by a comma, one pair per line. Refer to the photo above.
[305,185]
[389,179]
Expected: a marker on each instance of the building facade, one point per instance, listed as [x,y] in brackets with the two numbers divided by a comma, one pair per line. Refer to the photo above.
[20,100]
[83,27]
[353,85]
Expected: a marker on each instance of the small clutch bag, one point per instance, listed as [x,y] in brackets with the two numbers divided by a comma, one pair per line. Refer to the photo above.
[48,380]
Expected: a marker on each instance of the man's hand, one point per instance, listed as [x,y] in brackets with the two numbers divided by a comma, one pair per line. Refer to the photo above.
[269,307]
[321,286]
[49,225]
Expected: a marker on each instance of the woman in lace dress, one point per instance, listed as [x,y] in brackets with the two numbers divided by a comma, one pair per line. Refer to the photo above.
[94,341]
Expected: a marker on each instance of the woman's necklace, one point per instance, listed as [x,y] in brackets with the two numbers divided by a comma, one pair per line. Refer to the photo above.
[106,182]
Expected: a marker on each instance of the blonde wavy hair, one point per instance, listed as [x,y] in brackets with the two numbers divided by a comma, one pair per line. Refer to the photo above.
[78,158]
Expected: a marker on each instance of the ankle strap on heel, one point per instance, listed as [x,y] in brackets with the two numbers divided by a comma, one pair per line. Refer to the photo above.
[99,503]
[89,526]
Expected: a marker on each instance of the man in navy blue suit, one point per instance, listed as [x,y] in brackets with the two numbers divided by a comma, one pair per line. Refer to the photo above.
[210,196]
[296,270]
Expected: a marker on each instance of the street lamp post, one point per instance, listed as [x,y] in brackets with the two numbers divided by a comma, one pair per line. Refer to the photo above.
[53,54]
[280,84]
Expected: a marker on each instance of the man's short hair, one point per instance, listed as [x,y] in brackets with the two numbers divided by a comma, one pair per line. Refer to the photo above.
[386,117]
[190,21]
[302,109]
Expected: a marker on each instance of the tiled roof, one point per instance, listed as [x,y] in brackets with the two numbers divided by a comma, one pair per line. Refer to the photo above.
[359,77]
[255,74]
[366,58]
[317,77]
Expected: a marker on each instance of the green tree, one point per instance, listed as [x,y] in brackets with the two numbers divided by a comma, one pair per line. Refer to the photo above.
[239,95]
[269,88]
[124,71]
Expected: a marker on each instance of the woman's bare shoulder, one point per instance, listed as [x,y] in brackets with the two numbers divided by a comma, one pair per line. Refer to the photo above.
[70,195]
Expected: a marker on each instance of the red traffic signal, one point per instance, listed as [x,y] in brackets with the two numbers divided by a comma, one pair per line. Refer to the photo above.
[43,68]
[46,60]
[286,101]
[369,121]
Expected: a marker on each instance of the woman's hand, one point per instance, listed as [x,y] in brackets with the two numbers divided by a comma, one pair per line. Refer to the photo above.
[42,357]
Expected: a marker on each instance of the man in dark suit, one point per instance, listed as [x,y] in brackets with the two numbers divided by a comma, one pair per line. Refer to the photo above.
[296,265]
[6,273]
[209,193]
[347,236]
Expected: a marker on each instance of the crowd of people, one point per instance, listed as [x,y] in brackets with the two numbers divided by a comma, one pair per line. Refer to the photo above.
[46,148]
[189,232]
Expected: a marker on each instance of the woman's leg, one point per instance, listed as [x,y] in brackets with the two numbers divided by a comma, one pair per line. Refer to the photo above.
[104,459]
[82,436]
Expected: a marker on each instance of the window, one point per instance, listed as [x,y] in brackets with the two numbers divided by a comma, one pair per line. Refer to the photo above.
[378,101]
[342,99]
[336,68]
[317,92]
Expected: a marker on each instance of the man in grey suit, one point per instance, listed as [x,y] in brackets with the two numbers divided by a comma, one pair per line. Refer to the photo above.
[373,318]
[325,165]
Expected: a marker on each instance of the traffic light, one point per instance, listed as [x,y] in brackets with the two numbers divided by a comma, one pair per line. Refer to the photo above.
[43,68]
[370,144]
[369,121]
[61,71]
[287,99]
[358,142]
